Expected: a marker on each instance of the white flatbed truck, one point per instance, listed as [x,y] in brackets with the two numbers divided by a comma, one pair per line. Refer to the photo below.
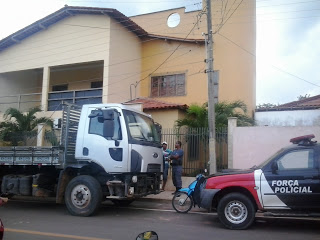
[106,151]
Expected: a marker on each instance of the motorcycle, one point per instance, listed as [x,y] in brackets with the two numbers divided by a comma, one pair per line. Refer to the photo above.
[186,198]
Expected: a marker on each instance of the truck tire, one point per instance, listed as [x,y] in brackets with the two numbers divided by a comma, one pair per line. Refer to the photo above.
[236,211]
[83,196]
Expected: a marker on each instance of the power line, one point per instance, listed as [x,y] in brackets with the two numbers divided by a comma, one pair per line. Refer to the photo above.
[200,15]
[279,69]
[228,17]
[286,4]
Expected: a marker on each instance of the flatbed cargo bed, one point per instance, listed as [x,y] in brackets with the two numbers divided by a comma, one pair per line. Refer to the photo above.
[31,155]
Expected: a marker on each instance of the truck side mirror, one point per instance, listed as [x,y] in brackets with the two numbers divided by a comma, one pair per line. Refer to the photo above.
[108,114]
[108,124]
[108,128]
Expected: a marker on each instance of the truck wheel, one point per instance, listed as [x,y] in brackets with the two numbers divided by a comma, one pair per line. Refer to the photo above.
[83,196]
[236,211]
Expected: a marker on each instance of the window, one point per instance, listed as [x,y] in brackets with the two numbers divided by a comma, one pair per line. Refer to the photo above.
[58,88]
[96,84]
[140,127]
[169,85]
[97,123]
[300,159]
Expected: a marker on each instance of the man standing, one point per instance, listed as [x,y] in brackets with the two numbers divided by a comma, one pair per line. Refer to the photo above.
[176,163]
[166,154]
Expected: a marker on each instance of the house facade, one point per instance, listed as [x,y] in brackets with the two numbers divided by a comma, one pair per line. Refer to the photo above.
[234,54]
[92,55]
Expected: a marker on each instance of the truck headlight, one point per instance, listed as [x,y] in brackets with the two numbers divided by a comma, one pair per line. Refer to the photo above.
[134,179]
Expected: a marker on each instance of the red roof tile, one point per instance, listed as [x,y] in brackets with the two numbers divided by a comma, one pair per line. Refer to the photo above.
[307,102]
[304,104]
[152,104]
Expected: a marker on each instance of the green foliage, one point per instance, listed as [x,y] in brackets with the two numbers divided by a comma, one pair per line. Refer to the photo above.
[267,105]
[19,126]
[301,97]
[197,116]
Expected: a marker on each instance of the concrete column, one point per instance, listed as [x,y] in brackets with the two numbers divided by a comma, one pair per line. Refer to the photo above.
[105,89]
[45,88]
[40,135]
[232,124]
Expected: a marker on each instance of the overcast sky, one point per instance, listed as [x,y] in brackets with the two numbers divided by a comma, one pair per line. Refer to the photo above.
[288,31]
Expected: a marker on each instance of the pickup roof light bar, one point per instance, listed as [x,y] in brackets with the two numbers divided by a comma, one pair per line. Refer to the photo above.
[303,140]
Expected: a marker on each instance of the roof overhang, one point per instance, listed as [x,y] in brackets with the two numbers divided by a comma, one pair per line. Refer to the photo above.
[65,12]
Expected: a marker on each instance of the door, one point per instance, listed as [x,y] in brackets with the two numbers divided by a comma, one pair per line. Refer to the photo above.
[291,180]
[109,152]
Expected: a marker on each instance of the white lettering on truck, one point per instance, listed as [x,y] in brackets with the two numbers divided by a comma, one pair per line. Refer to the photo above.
[289,186]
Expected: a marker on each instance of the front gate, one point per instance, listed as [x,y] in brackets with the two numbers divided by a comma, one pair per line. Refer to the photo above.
[195,144]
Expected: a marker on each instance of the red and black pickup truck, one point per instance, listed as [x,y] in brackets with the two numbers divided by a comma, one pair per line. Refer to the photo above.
[287,184]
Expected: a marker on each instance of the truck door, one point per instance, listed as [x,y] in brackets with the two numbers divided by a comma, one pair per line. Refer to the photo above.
[292,180]
[110,152]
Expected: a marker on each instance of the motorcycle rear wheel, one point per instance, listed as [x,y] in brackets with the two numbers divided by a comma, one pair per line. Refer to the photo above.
[181,202]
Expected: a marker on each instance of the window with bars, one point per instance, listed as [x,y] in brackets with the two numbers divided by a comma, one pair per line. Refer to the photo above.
[168,85]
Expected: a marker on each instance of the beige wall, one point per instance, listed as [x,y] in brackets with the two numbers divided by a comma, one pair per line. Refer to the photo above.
[188,59]
[66,45]
[236,64]
[20,82]
[166,118]
[62,43]
[78,76]
[253,145]
[125,63]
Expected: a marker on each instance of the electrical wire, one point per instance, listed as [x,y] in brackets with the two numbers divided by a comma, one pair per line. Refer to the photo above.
[279,69]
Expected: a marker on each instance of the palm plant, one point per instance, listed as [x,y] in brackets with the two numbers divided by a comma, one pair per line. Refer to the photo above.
[197,116]
[18,126]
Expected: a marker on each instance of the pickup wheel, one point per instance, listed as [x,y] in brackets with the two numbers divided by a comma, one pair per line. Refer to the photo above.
[83,196]
[236,211]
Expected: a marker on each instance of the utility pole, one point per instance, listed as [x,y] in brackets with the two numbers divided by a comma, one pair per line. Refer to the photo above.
[211,101]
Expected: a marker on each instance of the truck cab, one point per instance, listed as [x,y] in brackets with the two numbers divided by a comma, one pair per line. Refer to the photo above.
[118,139]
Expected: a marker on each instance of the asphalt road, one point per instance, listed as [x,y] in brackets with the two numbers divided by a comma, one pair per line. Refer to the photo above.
[47,220]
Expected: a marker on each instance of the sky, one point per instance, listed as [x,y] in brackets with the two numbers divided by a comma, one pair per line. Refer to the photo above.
[288,31]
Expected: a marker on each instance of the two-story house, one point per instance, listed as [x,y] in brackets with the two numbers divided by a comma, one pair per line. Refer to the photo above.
[93,55]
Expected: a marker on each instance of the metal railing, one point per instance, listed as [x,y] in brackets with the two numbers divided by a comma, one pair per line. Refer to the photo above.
[24,102]
[78,97]
[195,144]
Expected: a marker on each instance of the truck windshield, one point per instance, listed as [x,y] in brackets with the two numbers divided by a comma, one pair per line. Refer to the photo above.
[141,128]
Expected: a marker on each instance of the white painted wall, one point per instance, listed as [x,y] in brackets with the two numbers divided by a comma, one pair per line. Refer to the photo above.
[288,118]
[253,145]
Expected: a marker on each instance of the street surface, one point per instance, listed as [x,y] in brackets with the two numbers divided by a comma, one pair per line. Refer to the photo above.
[47,221]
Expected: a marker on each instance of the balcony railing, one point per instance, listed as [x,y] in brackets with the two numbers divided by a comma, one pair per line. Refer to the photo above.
[79,97]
